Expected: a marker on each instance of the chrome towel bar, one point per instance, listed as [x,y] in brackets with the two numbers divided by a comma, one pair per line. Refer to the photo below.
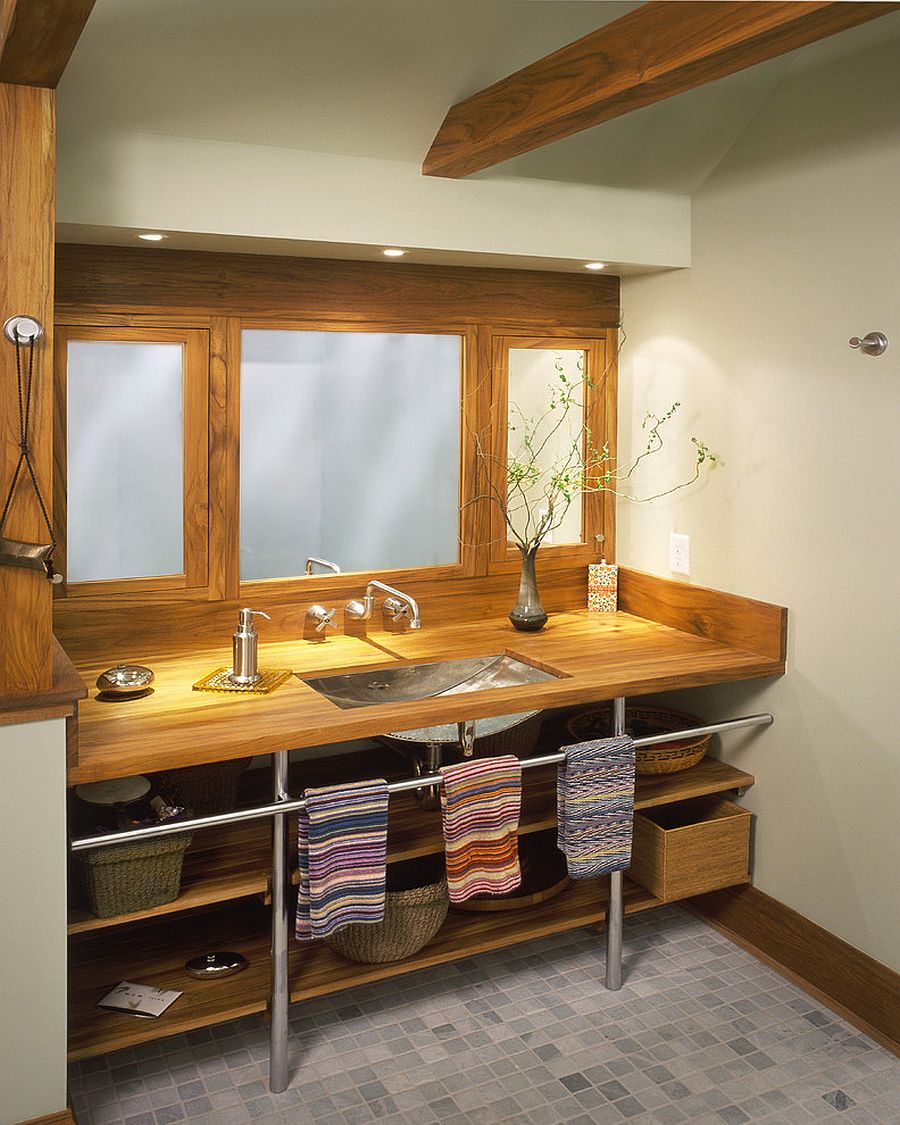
[259,812]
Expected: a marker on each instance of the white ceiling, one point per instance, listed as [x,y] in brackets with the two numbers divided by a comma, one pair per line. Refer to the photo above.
[374,79]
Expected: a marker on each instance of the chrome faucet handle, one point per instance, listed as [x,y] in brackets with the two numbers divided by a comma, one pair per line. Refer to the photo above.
[397,609]
[322,617]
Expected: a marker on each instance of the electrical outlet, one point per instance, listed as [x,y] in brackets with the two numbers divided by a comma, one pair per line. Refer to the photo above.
[679,553]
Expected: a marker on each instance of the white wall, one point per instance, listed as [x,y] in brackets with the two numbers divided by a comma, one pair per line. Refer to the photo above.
[143,181]
[796,247]
[33,920]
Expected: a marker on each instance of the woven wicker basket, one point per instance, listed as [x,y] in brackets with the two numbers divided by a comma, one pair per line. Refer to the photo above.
[131,877]
[204,789]
[412,915]
[667,757]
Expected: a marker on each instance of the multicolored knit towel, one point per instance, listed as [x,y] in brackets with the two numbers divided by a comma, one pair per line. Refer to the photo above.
[480,802]
[595,806]
[342,853]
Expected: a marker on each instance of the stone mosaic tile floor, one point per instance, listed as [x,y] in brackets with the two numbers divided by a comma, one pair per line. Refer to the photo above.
[700,1032]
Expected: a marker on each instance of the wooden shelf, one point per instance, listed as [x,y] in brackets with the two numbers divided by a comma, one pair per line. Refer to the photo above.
[221,864]
[321,971]
[156,955]
[233,861]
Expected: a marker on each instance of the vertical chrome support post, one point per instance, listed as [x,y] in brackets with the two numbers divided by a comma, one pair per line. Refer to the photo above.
[278,1027]
[615,910]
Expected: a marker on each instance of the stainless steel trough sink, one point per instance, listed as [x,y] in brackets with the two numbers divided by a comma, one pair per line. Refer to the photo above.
[408,682]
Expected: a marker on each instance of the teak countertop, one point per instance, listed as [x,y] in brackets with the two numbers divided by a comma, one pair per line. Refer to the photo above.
[597,657]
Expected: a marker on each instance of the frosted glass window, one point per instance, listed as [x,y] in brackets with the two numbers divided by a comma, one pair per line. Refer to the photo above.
[349,450]
[124,460]
[535,378]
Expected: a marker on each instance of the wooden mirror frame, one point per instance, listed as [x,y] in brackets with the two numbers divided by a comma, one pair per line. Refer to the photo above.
[597,509]
[195,383]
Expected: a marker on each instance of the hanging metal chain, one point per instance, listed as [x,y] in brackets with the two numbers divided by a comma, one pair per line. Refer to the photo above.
[24,386]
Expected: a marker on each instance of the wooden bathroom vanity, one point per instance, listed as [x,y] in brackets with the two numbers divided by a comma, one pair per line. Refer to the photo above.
[666,636]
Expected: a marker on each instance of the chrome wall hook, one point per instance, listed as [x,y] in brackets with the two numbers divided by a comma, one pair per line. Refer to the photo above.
[873,343]
[23,329]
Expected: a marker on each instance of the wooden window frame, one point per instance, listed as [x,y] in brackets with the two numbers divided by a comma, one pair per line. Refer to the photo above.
[467,557]
[597,509]
[196,387]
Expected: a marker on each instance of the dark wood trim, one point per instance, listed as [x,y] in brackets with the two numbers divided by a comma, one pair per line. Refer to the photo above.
[41,38]
[856,986]
[727,618]
[653,53]
[105,279]
[61,1117]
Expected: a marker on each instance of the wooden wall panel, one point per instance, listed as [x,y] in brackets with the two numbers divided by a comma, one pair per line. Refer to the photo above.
[27,170]
[139,630]
[145,288]
[97,279]
[727,618]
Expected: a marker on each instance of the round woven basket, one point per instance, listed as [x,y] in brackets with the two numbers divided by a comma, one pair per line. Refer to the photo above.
[412,917]
[640,722]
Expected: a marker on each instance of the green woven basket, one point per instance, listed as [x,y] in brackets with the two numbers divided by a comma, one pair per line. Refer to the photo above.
[126,878]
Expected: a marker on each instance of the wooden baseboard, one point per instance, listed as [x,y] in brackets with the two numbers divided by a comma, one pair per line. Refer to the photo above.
[851,983]
[62,1117]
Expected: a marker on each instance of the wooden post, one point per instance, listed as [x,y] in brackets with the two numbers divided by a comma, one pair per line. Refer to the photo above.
[27,197]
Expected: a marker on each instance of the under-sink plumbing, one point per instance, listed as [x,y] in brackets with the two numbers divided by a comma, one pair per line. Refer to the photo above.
[396,605]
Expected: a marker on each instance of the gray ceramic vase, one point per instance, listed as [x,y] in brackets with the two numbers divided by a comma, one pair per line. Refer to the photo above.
[528,613]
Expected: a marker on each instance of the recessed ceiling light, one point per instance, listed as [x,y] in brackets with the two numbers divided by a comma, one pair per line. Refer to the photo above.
[595,265]
[393,253]
[151,236]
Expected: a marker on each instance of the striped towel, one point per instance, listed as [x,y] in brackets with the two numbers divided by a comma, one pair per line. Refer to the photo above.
[595,806]
[342,852]
[480,803]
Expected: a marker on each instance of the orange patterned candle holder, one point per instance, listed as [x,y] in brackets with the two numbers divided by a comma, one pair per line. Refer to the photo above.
[603,587]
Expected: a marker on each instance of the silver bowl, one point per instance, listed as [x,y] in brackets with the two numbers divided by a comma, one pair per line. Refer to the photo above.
[125,679]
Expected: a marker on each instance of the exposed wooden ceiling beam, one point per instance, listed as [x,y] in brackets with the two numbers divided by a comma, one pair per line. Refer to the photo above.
[37,37]
[656,51]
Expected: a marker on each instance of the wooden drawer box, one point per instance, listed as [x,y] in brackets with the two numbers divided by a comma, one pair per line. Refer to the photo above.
[691,847]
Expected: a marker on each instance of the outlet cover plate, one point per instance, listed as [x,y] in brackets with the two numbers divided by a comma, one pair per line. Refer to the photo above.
[679,553]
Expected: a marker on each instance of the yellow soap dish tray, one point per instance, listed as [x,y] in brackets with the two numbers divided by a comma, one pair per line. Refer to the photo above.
[219,680]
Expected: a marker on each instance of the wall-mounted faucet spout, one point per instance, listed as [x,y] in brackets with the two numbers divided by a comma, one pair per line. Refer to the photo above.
[312,561]
[397,605]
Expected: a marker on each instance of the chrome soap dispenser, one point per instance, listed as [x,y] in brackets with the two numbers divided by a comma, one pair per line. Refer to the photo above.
[244,669]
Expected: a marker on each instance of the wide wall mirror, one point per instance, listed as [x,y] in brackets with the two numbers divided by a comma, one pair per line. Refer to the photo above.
[349,450]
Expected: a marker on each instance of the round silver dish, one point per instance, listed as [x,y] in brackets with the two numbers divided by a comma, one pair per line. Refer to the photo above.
[214,966]
[125,679]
